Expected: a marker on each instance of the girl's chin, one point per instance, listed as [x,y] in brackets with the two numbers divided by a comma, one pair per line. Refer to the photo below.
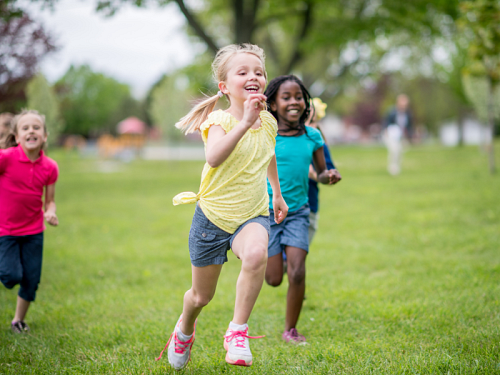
[31,146]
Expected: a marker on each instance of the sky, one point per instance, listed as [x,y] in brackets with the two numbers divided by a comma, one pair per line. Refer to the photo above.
[135,46]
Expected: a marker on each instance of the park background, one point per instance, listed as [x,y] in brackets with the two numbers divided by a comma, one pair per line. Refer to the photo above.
[403,275]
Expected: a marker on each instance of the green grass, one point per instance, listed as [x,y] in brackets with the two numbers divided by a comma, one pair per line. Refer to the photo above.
[403,276]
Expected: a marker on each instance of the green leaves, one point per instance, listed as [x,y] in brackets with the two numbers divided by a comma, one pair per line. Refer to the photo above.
[92,103]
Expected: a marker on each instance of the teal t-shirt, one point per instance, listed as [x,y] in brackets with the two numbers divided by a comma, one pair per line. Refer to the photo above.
[293,156]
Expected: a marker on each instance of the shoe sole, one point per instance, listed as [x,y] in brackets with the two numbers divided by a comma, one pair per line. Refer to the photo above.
[238,362]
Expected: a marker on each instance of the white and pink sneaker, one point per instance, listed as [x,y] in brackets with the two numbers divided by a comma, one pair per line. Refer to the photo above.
[237,345]
[179,347]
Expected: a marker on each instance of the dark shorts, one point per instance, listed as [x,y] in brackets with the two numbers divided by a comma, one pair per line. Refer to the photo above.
[293,231]
[21,263]
[208,244]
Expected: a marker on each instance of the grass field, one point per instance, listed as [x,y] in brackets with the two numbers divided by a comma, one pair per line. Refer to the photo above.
[403,276]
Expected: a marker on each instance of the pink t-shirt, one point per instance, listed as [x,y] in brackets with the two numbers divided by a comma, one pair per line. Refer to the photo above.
[21,189]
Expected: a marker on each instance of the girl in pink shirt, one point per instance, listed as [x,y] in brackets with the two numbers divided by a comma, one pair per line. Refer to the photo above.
[24,172]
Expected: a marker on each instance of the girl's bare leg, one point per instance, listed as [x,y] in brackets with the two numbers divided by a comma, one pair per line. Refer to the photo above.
[21,309]
[274,270]
[250,245]
[201,293]
[296,259]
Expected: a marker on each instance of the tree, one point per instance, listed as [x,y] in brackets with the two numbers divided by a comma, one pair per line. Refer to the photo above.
[42,97]
[293,30]
[23,44]
[481,20]
[167,105]
[92,103]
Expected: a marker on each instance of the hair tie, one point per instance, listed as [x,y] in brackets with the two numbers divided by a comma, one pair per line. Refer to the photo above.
[220,94]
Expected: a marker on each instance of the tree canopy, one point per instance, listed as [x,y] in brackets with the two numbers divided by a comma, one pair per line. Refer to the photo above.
[91,102]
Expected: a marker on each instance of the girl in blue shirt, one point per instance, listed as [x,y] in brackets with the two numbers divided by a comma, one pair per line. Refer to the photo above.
[296,146]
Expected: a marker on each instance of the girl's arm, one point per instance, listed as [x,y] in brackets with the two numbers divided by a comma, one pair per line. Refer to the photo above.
[219,144]
[325,176]
[280,207]
[50,205]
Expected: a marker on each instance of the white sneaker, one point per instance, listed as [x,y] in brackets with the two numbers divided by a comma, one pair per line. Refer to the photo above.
[179,350]
[237,345]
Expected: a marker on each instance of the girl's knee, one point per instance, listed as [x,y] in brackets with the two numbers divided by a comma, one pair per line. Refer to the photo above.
[255,258]
[199,300]
[296,276]
[274,280]
[11,279]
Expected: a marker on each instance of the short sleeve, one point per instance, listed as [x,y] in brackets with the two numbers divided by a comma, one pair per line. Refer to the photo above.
[316,137]
[270,123]
[54,173]
[219,117]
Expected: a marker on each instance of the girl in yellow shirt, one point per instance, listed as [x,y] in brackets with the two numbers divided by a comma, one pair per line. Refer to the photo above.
[232,203]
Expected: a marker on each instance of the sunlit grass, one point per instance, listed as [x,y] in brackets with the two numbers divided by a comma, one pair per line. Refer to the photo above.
[403,276]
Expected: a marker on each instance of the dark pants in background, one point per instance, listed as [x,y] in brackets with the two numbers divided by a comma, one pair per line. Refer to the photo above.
[21,263]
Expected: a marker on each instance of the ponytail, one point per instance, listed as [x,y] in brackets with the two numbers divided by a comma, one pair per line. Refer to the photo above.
[10,141]
[193,120]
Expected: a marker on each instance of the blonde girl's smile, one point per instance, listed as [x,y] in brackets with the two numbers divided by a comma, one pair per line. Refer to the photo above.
[245,76]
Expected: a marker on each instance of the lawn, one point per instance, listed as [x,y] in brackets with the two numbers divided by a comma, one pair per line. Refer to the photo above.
[403,276]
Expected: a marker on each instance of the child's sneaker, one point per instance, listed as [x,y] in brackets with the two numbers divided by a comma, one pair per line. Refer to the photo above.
[293,336]
[19,327]
[237,345]
[179,347]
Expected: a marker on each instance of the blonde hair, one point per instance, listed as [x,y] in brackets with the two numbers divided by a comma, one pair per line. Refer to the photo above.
[220,66]
[319,108]
[10,140]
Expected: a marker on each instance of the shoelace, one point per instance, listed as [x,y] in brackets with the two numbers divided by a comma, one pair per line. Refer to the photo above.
[180,346]
[294,332]
[240,336]
[295,335]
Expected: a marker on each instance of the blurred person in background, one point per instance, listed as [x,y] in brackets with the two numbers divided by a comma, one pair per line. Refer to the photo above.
[398,128]
[5,119]
[318,109]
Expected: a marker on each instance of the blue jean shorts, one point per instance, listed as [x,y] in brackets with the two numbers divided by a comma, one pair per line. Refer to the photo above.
[293,231]
[208,244]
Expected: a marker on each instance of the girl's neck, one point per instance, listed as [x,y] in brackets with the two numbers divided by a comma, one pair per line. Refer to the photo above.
[32,155]
[288,128]
[236,110]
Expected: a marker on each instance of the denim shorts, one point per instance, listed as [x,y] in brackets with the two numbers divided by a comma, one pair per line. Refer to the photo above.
[293,231]
[208,244]
[21,263]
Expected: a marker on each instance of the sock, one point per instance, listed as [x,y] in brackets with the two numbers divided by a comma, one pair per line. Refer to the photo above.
[182,336]
[237,327]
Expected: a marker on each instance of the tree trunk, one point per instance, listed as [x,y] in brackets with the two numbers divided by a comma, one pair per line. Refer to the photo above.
[197,27]
[491,126]
[306,22]
[245,13]
[460,125]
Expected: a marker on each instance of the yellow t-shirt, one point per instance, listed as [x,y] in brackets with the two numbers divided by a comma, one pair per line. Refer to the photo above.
[236,191]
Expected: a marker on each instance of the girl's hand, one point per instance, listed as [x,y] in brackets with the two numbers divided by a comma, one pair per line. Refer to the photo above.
[51,218]
[333,176]
[329,177]
[251,109]
[280,209]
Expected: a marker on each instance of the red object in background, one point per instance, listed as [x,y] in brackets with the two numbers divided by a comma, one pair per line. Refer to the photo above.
[131,125]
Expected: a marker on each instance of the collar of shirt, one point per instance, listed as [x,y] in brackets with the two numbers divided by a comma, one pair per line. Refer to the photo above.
[23,158]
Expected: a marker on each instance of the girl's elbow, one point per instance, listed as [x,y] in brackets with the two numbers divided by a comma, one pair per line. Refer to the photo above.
[212,162]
